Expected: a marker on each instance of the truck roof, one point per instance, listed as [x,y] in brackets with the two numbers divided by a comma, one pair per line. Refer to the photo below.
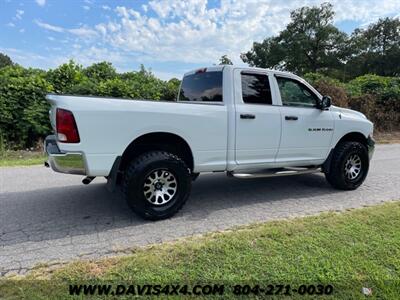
[221,67]
[254,69]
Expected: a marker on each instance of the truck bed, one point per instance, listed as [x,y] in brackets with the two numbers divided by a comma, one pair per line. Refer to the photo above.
[108,125]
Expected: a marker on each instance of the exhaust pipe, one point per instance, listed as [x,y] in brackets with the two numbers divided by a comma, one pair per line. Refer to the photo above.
[88,179]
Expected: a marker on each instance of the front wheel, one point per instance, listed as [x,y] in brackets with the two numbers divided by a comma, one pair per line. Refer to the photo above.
[349,166]
[157,184]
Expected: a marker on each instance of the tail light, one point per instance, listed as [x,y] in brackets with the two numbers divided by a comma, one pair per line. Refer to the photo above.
[67,132]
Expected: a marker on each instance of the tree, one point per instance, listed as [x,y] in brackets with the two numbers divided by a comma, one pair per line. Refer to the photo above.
[376,49]
[267,54]
[225,60]
[65,77]
[5,60]
[23,107]
[171,89]
[101,71]
[309,43]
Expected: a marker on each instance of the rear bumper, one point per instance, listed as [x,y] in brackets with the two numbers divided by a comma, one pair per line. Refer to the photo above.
[371,147]
[70,162]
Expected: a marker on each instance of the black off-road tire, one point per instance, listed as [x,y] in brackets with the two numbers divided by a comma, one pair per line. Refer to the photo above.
[336,175]
[134,180]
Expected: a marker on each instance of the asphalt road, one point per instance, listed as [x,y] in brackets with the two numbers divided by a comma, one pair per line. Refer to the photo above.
[46,217]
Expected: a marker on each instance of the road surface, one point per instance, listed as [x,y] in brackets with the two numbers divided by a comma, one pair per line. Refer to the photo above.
[46,217]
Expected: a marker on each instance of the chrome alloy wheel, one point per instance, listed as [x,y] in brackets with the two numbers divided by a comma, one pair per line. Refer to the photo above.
[352,167]
[160,187]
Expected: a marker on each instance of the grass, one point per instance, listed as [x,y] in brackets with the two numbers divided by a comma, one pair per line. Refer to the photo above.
[350,250]
[10,158]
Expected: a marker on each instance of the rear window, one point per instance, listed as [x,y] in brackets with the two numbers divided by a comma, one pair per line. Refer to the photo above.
[203,87]
[255,89]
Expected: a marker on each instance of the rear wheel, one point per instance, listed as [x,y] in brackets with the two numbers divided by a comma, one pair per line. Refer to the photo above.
[349,166]
[156,185]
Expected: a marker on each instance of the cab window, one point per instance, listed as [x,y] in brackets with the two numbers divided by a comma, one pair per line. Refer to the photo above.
[202,87]
[294,93]
[256,89]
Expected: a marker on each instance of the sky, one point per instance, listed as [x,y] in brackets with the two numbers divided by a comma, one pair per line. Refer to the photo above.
[169,36]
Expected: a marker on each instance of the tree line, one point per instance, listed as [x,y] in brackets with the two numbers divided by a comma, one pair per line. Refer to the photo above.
[360,71]
[311,43]
[24,116]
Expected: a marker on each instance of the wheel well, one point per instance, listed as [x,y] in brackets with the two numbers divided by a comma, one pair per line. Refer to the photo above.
[158,141]
[349,137]
[354,137]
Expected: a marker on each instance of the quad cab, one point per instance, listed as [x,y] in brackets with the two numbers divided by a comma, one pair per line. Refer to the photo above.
[247,122]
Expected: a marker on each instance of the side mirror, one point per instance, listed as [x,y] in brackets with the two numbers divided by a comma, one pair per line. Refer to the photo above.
[324,103]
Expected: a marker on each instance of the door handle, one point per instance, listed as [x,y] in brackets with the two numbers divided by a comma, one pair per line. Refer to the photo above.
[291,118]
[247,116]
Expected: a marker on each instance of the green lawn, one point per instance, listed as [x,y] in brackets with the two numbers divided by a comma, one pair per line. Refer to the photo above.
[350,250]
[21,158]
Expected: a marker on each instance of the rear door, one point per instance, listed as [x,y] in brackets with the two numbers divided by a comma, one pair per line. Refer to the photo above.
[258,120]
[306,130]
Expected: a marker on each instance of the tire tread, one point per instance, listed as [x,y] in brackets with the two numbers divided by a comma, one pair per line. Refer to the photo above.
[333,176]
[133,170]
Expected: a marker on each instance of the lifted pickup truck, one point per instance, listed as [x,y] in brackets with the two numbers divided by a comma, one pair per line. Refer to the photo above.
[247,122]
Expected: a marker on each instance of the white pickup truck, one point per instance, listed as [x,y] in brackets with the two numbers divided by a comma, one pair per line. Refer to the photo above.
[247,122]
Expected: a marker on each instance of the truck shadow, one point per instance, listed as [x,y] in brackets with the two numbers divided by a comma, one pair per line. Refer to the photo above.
[62,212]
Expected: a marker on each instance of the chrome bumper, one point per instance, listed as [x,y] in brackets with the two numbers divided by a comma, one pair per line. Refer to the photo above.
[371,147]
[70,163]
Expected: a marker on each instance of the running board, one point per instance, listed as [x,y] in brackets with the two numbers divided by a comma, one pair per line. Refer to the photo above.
[276,172]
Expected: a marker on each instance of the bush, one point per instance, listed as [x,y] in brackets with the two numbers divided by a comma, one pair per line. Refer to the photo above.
[144,85]
[375,96]
[84,87]
[23,108]
[100,71]
[384,118]
[338,94]
[171,89]
[368,84]
[115,88]
[24,111]
[329,86]
[2,144]
[378,98]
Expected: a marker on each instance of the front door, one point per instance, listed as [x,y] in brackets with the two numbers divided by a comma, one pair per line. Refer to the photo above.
[306,130]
